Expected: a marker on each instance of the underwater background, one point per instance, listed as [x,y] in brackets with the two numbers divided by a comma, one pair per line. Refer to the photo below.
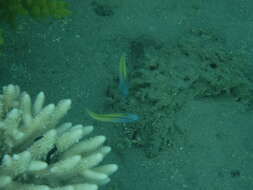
[189,71]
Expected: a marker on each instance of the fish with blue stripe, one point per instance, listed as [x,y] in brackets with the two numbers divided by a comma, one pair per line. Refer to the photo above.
[114,117]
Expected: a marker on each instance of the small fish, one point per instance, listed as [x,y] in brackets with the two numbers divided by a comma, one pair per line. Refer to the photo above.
[114,117]
[123,83]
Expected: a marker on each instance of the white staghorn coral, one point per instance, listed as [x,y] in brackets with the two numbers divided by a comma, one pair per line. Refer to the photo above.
[36,153]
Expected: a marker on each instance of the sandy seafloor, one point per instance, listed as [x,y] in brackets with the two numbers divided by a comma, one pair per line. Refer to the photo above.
[77,58]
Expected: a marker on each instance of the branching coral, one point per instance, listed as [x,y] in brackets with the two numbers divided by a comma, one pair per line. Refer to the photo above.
[37,155]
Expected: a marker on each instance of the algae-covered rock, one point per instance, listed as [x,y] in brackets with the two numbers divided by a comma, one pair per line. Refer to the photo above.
[37,9]
[10,9]
[1,37]
[163,78]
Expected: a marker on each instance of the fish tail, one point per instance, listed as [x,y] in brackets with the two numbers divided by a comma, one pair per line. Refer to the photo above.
[123,83]
[122,67]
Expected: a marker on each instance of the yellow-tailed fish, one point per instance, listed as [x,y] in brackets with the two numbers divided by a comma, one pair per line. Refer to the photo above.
[123,83]
[114,117]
